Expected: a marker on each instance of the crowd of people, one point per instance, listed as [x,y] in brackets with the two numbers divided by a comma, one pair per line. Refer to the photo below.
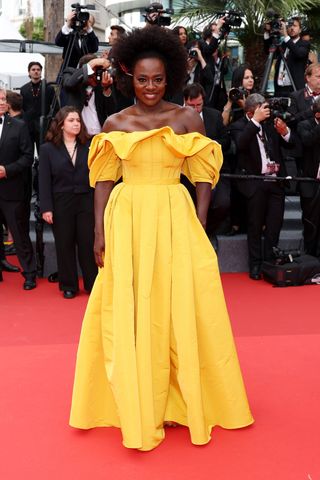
[255,138]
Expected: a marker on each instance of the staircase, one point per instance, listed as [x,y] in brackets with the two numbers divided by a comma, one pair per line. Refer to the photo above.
[233,252]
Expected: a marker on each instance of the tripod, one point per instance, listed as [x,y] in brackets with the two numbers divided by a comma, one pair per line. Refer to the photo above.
[273,50]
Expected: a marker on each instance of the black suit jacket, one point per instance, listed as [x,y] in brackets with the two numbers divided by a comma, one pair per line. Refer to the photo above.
[16,155]
[309,132]
[32,108]
[244,134]
[58,175]
[214,127]
[89,44]
[75,81]
[297,60]
[301,104]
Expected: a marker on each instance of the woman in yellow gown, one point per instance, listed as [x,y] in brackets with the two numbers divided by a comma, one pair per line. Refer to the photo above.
[156,344]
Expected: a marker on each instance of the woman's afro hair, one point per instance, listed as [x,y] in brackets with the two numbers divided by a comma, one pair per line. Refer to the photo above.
[150,42]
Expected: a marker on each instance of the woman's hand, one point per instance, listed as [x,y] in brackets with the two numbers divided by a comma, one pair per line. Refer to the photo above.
[48,217]
[98,249]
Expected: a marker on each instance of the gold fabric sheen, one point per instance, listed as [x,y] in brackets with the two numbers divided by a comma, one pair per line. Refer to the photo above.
[156,343]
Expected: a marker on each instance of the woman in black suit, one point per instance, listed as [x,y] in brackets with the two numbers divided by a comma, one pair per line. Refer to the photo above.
[66,198]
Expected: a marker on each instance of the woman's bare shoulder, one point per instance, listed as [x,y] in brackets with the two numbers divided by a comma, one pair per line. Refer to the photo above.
[191,120]
[117,121]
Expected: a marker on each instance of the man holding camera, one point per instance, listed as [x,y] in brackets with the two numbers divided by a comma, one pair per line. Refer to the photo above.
[77,37]
[89,90]
[309,132]
[295,53]
[258,144]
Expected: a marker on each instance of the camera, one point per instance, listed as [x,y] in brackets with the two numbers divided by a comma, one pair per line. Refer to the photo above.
[284,256]
[231,19]
[192,53]
[98,74]
[236,94]
[163,18]
[80,20]
[279,108]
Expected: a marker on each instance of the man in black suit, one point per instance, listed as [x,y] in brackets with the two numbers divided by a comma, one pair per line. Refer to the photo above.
[89,93]
[295,51]
[76,43]
[258,148]
[16,156]
[194,96]
[309,132]
[303,99]
[33,97]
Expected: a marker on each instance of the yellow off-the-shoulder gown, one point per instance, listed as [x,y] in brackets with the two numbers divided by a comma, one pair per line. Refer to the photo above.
[156,343]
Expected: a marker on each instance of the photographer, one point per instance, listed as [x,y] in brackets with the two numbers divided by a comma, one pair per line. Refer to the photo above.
[295,52]
[258,144]
[198,69]
[309,132]
[242,84]
[77,40]
[89,90]
[211,37]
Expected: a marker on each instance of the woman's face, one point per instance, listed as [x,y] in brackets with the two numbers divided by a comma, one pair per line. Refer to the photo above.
[72,124]
[248,80]
[149,81]
[183,35]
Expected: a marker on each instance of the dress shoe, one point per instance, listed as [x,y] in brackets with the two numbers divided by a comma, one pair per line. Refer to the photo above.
[69,294]
[8,267]
[255,273]
[53,277]
[29,284]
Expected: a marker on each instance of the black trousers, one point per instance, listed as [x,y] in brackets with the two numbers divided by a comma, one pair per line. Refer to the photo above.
[17,221]
[311,223]
[265,208]
[73,228]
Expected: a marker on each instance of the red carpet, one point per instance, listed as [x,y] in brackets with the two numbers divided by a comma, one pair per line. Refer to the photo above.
[277,335]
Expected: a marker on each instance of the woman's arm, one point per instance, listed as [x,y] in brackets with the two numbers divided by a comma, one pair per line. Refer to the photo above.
[203,192]
[101,197]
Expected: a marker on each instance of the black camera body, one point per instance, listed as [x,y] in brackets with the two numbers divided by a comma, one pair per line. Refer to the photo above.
[279,108]
[163,18]
[231,19]
[285,256]
[192,53]
[80,20]
[98,74]
[236,94]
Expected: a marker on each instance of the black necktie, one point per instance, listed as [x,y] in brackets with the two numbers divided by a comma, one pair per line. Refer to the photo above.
[0,120]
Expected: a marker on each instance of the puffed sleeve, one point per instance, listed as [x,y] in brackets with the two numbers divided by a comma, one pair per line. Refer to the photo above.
[204,162]
[103,162]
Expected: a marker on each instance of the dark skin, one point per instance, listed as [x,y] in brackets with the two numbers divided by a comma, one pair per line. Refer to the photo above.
[150,112]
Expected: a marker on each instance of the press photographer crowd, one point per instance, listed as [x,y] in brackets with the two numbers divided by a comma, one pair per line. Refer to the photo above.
[260,135]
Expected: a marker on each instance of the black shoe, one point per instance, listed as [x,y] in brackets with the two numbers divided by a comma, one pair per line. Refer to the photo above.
[53,277]
[8,267]
[69,294]
[29,284]
[255,273]
[10,249]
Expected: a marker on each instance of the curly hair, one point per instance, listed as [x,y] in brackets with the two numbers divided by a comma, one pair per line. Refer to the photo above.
[150,42]
[55,132]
